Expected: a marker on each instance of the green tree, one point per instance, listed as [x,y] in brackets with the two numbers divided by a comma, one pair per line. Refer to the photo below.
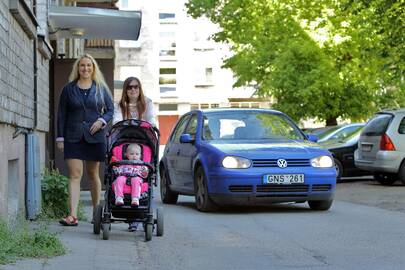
[323,59]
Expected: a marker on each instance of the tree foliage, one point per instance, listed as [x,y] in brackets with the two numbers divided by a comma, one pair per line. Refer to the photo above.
[323,59]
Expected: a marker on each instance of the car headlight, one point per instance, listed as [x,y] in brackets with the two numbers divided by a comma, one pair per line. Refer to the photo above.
[322,162]
[232,162]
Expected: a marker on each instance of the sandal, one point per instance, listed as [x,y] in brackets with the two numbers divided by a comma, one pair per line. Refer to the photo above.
[69,221]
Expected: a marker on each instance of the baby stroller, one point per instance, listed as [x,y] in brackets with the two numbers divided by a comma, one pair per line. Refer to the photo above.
[122,134]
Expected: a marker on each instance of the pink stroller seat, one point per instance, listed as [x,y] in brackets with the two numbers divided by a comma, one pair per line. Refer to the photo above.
[118,153]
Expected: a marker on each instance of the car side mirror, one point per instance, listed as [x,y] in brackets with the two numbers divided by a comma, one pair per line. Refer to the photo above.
[186,138]
[312,137]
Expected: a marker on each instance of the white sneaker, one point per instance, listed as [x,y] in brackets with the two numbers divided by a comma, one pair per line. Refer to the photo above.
[135,202]
[119,201]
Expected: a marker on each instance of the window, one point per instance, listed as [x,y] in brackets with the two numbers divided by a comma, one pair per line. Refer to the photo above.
[401,129]
[203,76]
[167,79]
[167,76]
[377,125]
[163,16]
[167,107]
[167,43]
[192,126]
[178,130]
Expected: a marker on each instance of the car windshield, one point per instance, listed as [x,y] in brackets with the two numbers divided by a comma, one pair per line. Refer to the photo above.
[327,132]
[248,125]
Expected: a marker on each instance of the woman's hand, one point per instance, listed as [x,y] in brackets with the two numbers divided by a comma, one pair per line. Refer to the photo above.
[96,127]
[60,145]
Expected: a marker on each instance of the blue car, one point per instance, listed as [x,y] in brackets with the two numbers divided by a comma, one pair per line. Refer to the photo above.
[245,157]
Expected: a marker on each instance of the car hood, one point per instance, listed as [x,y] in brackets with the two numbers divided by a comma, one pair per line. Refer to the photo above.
[285,149]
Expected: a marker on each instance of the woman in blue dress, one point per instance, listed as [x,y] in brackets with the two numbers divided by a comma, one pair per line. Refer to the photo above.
[85,108]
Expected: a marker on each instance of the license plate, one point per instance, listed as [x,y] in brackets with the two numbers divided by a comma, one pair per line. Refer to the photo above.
[283,179]
[366,147]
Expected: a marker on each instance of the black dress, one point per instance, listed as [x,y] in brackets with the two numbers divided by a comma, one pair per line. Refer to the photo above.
[82,149]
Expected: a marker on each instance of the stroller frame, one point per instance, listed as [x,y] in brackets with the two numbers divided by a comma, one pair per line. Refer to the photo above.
[130,131]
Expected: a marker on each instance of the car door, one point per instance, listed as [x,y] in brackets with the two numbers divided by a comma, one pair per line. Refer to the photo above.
[186,155]
[171,152]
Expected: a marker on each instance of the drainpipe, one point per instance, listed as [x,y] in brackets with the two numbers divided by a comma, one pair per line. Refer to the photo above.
[35,84]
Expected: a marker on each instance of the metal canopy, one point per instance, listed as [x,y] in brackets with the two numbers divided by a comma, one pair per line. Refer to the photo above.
[89,23]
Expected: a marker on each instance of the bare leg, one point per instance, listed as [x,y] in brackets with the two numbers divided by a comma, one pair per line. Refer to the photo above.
[92,168]
[75,167]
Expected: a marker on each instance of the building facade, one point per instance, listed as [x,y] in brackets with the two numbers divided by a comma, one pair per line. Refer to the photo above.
[24,97]
[179,65]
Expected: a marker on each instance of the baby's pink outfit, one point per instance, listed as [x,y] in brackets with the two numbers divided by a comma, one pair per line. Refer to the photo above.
[136,172]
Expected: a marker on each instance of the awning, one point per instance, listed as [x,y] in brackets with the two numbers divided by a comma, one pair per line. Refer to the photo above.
[89,23]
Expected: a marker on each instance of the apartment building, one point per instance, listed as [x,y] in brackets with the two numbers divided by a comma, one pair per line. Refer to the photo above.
[179,65]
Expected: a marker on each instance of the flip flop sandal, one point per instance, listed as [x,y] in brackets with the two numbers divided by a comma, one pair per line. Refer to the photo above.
[69,221]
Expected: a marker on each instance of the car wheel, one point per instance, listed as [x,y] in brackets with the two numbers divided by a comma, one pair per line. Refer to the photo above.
[401,173]
[339,169]
[202,200]
[320,205]
[167,196]
[384,178]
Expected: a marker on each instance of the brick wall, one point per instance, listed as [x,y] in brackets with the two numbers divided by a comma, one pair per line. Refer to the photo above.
[17,77]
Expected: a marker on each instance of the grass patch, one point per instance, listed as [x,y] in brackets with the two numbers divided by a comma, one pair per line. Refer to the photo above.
[20,242]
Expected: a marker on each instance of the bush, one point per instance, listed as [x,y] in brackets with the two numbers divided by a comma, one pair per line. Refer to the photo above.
[19,242]
[55,195]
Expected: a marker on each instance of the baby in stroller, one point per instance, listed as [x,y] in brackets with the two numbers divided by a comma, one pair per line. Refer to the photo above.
[134,174]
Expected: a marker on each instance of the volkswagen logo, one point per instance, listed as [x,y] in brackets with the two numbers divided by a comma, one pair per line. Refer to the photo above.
[282,163]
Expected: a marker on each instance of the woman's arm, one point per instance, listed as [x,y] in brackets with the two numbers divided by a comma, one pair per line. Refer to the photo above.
[150,115]
[117,113]
[108,108]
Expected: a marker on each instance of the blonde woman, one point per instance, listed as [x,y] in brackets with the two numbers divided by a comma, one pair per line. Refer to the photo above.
[85,108]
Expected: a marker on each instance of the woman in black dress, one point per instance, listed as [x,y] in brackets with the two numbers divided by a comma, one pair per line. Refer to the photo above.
[85,108]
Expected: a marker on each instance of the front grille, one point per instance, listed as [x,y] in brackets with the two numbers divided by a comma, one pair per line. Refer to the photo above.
[260,163]
[241,188]
[325,187]
[282,188]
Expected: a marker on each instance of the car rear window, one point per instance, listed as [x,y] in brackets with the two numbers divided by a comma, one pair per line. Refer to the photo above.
[401,129]
[378,125]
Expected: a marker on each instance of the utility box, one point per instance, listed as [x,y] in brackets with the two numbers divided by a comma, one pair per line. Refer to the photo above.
[33,176]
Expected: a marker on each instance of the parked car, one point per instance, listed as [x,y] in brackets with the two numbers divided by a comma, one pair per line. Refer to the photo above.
[343,154]
[382,147]
[244,156]
[337,132]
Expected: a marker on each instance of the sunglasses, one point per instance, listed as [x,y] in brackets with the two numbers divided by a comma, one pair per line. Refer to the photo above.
[129,87]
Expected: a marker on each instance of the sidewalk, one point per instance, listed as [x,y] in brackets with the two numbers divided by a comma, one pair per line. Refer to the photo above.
[87,251]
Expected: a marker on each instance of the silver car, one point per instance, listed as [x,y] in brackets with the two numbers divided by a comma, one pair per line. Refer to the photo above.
[381,147]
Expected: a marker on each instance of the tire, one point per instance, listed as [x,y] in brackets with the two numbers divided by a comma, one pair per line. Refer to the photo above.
[384,179]
[97,219]
[167,196]
[401,173]
[339,169]
[320,205]
[159,222]
[148,232]
[106,227]
[202,200]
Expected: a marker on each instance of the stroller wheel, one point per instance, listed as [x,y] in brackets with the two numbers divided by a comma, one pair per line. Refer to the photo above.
[106,230]
[148,231]
[159,221]
[97,219]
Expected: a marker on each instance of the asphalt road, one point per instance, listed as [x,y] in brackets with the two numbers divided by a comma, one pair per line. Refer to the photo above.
[364,229]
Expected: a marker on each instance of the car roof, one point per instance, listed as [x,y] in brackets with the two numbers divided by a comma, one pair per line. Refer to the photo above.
[216,110]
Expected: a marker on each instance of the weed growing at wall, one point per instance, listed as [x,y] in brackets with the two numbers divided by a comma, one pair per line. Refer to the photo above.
[19,242]
[55,196]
